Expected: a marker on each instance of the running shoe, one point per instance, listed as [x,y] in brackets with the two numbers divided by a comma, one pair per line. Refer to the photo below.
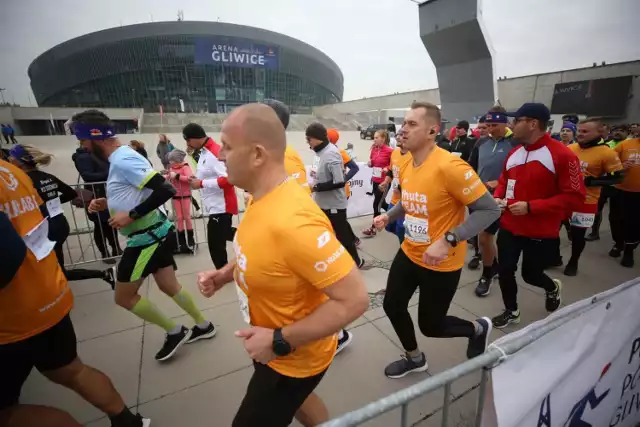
[571,269]
[479,342]
[138,421]
[347,337]
[558,262]
[554,298]
[172,343]
[405,365]
[484,287]
[110,277]
[369,232]
[197,333]
[358,242]
[592,237]
[362,262]
[615,252]
[506,318]
[627,259]
[474,264]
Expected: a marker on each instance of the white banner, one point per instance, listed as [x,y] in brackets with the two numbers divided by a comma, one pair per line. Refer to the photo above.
[585,373]
[360,203]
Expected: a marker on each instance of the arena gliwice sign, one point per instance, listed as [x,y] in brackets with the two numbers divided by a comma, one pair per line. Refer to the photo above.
[235,53]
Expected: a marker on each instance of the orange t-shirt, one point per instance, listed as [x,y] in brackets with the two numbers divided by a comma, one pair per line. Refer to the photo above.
[629,153]
[596,161]
[38,297]
[282,266]
[434,197]
[295,168]
[399,163]
[346,159]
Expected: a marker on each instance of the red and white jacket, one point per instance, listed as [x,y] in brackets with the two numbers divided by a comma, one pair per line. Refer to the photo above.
[218,196]
[380,158]
[547,175]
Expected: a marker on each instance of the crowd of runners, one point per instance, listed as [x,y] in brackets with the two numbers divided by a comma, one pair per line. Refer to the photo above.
[297,273]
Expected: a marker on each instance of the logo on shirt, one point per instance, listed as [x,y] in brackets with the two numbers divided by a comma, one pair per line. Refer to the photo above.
[468,175]
[470,188]
[414,203]
[9,180]
[323,239]
[322,266]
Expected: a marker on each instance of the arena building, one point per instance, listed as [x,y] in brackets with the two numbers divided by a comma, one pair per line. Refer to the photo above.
[184,66]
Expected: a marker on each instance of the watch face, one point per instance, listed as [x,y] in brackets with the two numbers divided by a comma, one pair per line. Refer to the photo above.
[281,348]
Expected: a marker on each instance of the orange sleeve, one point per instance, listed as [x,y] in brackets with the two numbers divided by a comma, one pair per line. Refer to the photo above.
[612,162]
[345,157]
[462,181]
[313,251]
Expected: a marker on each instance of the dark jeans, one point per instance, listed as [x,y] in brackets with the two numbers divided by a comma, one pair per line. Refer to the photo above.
[535,256]
[219,232]
[377,198]
[623,216]
[343,231]
[437,289]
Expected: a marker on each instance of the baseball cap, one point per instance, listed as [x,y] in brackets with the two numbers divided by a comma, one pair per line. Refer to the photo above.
[192,131]
[532,110]
[495,117]
[281,109]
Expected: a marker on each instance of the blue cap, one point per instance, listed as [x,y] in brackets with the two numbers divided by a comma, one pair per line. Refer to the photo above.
[493,117]
[532,110]
[568,125]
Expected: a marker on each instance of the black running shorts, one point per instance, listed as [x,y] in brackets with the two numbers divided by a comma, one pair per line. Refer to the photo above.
[272,399]
[52,349]
[139,262]
[493,228]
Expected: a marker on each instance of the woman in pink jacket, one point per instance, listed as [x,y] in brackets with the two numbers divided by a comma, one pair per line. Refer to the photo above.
[179,173]
[379,161]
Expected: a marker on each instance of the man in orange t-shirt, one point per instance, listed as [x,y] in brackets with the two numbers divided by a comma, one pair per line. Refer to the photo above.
[600,166]
[35,327]
[297,285]
[625,204]
[437,187]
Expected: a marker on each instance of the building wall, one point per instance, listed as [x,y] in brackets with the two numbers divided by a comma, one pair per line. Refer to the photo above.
[512,93]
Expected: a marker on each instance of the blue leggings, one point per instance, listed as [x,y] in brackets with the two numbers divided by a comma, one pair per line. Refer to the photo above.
[396,227]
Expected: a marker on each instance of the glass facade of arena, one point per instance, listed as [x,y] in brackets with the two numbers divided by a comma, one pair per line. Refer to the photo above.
[162,71]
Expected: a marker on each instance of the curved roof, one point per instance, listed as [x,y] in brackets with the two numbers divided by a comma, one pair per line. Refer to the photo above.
[177,28]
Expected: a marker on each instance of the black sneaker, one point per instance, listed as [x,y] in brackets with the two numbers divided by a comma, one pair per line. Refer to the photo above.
[484,287]
[172,343]
[627,259]
[554,298]
[137,421]
[571,269]
[592,237]
[615,252]
[198,333]
[555,263]
[404,366]
[479,342]
[474,264]
[506,318]
[347,337]
[110,277]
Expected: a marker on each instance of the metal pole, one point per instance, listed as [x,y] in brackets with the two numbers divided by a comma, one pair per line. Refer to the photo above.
[2,94]
[445,407]
[482,392]
[404,416]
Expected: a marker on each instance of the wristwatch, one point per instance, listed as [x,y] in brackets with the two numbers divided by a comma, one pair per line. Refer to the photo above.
[133,214]
[280,346]
[451,239]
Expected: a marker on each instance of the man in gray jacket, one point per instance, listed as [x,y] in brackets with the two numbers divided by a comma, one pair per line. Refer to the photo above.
[488,159]
[328,187]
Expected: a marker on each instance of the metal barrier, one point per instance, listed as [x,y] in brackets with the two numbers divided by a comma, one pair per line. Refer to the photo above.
[82,223]
[484,362]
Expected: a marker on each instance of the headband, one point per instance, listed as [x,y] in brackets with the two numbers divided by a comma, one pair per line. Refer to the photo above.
[93,132]
[496,118]
[18,152]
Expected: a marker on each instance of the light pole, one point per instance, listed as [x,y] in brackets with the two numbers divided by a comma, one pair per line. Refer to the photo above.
[2,94]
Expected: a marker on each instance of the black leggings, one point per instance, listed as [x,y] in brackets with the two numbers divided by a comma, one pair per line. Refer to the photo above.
[103,233]
[343,231]
[577,243]
[377,197]
[219,232]
[76,273]
[437,289]
[623,212]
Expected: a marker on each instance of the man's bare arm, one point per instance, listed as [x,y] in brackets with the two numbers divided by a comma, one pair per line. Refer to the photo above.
[348,300]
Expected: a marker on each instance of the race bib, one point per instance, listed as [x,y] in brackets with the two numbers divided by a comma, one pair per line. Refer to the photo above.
[243,300]
[54,207]
[457,154]
[511,188]
[37,240]
[416,229]
[582,220]
[395,184]
[376,172]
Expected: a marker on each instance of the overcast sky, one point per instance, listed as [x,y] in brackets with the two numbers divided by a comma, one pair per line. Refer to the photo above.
[376,43]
